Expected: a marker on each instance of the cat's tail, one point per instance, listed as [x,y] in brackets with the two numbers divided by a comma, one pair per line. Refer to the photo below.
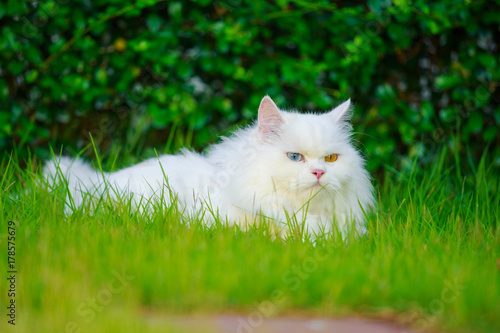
[75,175]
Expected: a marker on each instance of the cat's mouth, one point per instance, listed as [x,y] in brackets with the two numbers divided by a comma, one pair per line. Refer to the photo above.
[317,184]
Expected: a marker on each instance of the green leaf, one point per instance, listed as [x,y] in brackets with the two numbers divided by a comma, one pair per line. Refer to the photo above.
[154,22]
[5,127]
[487,60]
[432,26]
[490,133]
[448,81]
[31,76]
[101,76]
[475,122]
[385,91]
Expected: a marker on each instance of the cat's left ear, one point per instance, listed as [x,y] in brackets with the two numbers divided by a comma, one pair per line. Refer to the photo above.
[343,112]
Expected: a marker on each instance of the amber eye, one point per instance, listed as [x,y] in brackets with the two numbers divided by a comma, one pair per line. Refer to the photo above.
[331,158]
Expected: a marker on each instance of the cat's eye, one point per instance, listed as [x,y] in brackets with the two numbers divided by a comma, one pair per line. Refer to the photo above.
[331,158]
[296,157]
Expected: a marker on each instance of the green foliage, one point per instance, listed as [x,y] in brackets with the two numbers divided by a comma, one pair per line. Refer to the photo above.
[143,74]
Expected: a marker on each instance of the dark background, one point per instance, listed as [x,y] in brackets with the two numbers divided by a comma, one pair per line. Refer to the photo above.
[136,75]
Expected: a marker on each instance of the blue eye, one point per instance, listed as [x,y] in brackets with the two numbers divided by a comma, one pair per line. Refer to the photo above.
[296,157]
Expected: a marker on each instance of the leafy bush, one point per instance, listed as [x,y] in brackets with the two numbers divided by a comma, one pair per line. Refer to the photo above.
[143,74]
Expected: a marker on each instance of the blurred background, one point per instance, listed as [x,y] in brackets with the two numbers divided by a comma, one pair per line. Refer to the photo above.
[138,75]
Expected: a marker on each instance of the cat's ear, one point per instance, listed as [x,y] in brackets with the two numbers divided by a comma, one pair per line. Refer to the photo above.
[270,118]
[343,112]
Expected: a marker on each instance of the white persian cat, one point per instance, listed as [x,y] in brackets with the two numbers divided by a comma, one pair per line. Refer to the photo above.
[286,166]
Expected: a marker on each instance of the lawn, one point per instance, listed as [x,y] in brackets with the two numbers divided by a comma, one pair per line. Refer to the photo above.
[430,260]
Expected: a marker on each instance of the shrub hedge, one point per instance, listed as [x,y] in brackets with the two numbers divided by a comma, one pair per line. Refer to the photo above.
[141,74]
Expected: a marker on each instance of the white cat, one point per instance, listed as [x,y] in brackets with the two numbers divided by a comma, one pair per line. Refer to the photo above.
[286,166]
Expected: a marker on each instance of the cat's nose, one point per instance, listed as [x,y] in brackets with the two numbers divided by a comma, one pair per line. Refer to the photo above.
[318,173]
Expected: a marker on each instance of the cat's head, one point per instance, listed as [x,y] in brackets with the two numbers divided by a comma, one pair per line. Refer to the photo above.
[309,152]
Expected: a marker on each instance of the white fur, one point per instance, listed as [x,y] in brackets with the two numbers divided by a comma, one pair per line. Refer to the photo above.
[249,174]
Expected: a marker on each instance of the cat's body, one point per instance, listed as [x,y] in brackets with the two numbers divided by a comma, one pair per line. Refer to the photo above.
[287,163]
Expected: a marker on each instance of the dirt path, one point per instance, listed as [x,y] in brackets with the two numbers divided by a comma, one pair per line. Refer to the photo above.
[242,324]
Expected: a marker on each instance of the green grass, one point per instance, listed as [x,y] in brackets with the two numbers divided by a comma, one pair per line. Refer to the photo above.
[430,259]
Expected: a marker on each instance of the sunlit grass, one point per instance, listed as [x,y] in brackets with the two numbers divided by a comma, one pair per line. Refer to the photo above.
[429,260]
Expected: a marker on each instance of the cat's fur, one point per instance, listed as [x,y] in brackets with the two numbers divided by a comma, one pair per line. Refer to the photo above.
[249,174]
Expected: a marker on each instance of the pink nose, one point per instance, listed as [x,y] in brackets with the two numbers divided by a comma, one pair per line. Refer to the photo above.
[318,173]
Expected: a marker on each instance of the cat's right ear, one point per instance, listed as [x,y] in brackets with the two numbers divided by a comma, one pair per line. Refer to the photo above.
[270,118]
[342,112]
